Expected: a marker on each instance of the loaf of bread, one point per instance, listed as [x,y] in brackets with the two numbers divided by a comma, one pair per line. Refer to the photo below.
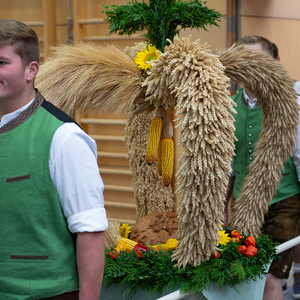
[155,228]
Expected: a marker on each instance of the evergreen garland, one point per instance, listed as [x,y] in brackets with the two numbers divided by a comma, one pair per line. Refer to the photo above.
[161,19]
[155,271]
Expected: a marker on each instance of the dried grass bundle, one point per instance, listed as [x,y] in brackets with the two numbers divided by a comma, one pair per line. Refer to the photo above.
[150,194]
[112,234]
[133,50]
[269,81]
[188,76]
[90,77]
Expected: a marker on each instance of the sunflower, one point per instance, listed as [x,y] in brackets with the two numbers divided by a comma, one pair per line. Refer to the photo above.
[144,57]
[223,237]
[125,230]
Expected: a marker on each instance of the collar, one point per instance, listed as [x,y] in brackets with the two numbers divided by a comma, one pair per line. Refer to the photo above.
[247,100]
[9,117]
[16,118]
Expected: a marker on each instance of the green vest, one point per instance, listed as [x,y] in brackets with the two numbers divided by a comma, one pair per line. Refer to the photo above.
[248,125]
[37,254]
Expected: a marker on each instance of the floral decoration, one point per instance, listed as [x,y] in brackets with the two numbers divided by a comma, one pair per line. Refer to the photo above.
[125,230]
[144,57]
[224,237]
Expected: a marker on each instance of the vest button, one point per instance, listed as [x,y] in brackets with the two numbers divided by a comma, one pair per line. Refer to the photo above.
[250,158]
[250,126]
[250,143]
[250,150]
[250,134]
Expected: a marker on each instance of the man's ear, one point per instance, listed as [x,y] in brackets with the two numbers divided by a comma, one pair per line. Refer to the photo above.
[32,70]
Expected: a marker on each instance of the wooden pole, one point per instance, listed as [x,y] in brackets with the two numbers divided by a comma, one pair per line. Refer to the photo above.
[49,29]
[231,32]
[231,22]
[79,13]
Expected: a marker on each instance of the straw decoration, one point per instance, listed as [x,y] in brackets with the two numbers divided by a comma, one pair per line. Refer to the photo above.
[86,77]
[188,76]
[268,79]
[150,194]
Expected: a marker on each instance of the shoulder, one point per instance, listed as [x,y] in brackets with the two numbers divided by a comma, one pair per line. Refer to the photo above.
[72,133]
[56,112]
[72,144]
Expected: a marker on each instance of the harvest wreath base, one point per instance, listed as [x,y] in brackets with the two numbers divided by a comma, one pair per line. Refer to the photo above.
[240,260]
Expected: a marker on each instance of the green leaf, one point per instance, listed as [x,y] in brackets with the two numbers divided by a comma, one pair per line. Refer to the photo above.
[161,19]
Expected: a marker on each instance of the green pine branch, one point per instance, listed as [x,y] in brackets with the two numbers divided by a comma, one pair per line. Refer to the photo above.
[160,19]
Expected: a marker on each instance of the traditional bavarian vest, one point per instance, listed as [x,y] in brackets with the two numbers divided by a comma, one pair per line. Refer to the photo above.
[37,254]
[248,125]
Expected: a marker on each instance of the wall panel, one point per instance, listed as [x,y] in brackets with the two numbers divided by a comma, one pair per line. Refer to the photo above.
[24,11]
[41,15]
[276,31]
[278,21]
[287,9]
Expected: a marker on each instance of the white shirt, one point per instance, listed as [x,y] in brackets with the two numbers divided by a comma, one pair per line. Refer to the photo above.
[296,156]
[75,174]
[248,101]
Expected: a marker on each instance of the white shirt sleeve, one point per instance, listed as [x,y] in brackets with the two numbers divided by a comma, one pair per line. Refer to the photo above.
[75,174]
[296,156]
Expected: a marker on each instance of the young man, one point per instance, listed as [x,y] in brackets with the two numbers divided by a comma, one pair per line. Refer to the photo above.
[52,216]
[281,221]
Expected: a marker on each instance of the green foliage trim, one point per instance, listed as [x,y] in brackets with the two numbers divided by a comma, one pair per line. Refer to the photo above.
[155,271]
[161,19]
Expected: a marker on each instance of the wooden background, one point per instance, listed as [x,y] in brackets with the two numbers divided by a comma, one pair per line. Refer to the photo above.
[274,19]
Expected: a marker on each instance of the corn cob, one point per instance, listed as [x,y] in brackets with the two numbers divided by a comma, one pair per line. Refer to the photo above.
[154,138]
[159,154]
[167,147]
[125,243]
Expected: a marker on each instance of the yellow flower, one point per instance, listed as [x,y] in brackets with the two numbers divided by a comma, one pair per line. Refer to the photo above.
[125,230]
[144,57]
[223,238]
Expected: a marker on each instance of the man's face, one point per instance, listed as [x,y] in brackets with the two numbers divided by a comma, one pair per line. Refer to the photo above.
[12,75]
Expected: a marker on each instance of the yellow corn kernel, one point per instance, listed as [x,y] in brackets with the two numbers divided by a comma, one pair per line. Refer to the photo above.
[154,138]
[167,160]
[125,243]
[128,241]
[159,153]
